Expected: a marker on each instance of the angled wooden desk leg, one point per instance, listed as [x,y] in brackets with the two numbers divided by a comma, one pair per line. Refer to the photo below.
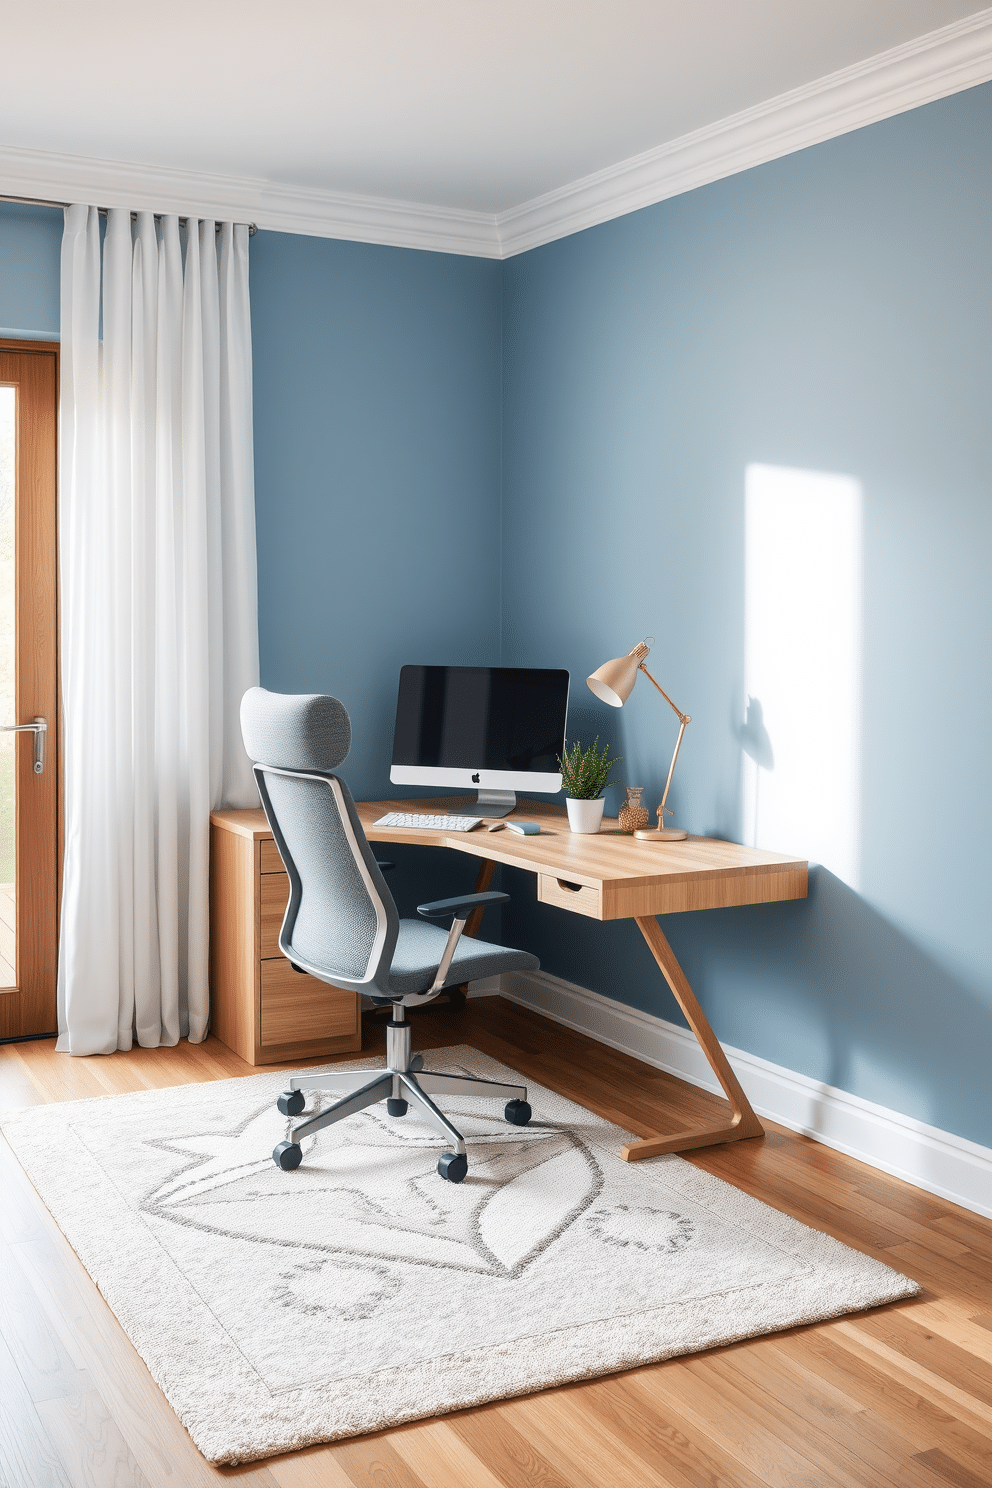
[487,868]
[745,1123]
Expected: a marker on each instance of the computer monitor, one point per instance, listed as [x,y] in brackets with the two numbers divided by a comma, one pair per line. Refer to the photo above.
[500,729]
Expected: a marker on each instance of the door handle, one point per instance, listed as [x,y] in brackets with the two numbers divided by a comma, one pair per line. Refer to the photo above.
[38,727]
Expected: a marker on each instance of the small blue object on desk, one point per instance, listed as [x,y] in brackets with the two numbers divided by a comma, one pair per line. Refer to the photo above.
[528,829]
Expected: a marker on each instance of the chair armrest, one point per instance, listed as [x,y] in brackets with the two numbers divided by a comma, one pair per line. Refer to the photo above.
[467,902]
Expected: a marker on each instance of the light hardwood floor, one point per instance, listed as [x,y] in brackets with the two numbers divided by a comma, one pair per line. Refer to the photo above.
[896,1398]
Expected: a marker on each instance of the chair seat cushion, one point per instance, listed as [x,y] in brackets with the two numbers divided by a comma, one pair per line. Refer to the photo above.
[419,948]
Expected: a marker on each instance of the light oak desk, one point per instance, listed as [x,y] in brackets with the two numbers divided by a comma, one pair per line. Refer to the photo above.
[610,876]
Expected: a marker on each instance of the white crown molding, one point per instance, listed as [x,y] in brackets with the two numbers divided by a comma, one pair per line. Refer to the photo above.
[920,71]
[938,1161]
[41,175]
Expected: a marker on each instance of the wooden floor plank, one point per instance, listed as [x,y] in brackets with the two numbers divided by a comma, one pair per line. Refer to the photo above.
[837,1443]
[903,1392]
[594,1434]
[934,1352]
[662,1438]
[90,1446]
[954,1322]
[372,1462]
[19,1090]
[971,1275]
[902,1366]
[745,1438]
[440,1458]
[942,1468]
[495,1436]
[28,1457]
[909,1406]
[970,1229]
[46,1367]
[317,1467]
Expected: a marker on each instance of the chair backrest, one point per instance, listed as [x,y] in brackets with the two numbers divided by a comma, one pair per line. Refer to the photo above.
[341,923]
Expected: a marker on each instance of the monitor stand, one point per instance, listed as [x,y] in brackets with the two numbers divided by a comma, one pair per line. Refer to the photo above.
[496,802]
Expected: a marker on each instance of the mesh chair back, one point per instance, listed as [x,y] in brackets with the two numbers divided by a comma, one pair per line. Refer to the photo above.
[341,923]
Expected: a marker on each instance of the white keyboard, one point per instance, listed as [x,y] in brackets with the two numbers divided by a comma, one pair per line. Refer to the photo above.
[428,823]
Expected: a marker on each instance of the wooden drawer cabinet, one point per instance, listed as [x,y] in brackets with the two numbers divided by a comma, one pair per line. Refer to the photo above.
[259,1006]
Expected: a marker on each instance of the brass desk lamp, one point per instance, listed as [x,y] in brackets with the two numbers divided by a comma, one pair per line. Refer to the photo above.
[613,683]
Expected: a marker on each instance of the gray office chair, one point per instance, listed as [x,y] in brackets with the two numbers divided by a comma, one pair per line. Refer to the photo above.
[341,924]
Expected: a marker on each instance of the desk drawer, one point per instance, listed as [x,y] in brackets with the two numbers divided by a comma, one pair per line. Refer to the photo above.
[275,896]
[298,1009]
[269,859]
[579,898]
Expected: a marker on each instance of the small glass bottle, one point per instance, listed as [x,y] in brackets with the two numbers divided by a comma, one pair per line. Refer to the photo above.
[632,813]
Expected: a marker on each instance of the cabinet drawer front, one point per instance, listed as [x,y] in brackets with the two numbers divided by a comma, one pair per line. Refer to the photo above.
[579,898]
[269,858]
[298,1008]
[275,897]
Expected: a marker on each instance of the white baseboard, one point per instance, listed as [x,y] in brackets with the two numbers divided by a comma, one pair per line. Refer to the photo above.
[943,1164]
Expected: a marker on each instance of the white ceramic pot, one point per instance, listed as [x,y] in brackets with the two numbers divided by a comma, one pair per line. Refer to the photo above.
[585,816]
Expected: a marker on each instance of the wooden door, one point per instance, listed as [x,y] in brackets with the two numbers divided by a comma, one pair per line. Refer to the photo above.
[29,756]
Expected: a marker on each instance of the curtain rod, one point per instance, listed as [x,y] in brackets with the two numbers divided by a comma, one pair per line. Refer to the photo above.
[37,201]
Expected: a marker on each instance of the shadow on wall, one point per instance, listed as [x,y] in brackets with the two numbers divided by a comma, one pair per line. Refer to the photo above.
[825,986]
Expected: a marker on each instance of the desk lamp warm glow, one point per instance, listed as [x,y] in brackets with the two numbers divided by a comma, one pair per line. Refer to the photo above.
[613,683]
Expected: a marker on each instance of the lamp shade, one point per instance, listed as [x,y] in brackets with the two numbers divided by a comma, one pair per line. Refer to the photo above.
[614,681]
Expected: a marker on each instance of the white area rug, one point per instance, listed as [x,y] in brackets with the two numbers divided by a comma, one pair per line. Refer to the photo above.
[280,1309]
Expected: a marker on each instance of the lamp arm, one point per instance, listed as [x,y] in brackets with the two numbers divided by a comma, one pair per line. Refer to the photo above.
[682,717]
[671,770]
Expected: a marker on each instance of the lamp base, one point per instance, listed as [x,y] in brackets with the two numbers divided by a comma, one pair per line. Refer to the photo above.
[664,834]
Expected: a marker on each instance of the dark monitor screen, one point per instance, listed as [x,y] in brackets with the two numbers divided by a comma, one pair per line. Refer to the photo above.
[505,719]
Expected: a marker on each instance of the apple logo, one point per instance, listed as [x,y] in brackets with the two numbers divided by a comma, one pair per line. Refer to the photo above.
[475,779]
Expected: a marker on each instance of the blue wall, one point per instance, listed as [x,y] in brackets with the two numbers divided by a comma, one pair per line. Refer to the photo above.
[377,475]
[30,251]
[830,311]
[377,484]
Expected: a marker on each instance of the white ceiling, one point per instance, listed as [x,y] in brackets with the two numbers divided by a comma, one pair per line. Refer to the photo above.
[455,103]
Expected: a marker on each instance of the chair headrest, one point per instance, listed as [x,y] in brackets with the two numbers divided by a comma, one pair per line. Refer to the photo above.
[295,731]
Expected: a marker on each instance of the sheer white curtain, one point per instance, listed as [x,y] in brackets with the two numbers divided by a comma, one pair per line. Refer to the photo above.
[159,621]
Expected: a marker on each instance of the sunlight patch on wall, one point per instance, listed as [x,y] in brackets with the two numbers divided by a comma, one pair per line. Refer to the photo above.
[801,735]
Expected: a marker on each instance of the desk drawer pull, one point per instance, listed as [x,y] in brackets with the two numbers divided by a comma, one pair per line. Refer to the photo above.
[572,888]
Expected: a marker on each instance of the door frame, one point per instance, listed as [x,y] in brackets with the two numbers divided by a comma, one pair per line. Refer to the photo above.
[31,1010]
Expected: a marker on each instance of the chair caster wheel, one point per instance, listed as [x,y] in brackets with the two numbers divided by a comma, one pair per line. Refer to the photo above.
[288,1155]
[453,1166]
[291,1102]
[518,1112]
[416,1064]
[397,1107]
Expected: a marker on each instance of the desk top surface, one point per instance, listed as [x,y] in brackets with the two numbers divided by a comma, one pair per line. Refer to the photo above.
[630,874]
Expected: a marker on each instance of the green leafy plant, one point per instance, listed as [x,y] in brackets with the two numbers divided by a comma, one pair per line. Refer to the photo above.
[585,772]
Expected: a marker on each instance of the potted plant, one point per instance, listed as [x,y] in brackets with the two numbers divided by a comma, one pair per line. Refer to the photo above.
[585,775]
